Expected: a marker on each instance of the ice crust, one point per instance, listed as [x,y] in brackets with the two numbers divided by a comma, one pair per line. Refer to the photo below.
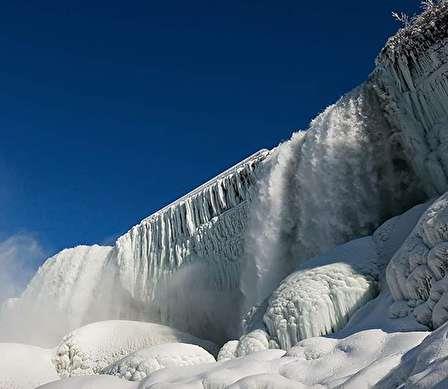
[92,348]
[417,274]
[140,364]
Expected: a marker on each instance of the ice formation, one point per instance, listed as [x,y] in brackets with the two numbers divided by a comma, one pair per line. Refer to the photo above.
[417,274]
[92,348]
[139,278]
[324,187]
[320,297]
[316,302]
[140,364]
[411,80]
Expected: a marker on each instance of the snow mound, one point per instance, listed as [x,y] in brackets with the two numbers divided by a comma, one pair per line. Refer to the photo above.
[417,274]
[352,361]
[25,367]
[93,347]
[139,365]
[356,362]
[217,375]
[316,301]
[252,342]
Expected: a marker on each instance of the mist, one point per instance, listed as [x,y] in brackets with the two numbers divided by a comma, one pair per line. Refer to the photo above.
[19,256]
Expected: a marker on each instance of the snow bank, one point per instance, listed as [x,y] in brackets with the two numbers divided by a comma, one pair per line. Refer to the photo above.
[356,362]
[91,382]
[25,367]
[93,347]
[215,376]
[424,366]
[140,364]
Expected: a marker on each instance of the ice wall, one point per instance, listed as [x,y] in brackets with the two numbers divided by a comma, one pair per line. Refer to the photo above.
[179,266]
[184,260]
[203,225]
[411,78]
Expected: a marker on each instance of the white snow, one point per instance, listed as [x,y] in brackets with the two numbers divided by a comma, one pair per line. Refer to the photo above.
[140,364]
[25,367]
[358,361]
[91,382]
[89,349]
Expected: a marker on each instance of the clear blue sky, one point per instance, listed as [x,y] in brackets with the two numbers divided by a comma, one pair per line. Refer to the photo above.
[109,110]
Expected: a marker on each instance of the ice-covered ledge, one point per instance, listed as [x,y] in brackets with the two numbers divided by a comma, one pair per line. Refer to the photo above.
[194,227]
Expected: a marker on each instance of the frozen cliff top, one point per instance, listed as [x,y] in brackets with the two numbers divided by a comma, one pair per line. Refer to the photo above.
[240,166]
[422,32]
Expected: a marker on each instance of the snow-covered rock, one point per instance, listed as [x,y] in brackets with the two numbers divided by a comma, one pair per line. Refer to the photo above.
[25,367]
[351,362]
[90,349]
[252,342]
[320,297]
[417,274]
[411,80]
[140,364]
[424,366]
[356,362]
[316,301]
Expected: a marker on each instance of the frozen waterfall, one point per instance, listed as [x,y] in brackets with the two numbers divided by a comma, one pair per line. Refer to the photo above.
[324,187]
[374,153]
